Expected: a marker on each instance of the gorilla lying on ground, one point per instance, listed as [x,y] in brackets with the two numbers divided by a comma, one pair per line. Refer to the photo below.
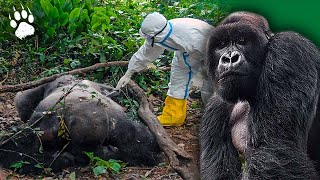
[77,111]
[265,106]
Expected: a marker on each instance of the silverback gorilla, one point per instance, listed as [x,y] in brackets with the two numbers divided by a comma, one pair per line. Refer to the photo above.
[265,105]
[77,111]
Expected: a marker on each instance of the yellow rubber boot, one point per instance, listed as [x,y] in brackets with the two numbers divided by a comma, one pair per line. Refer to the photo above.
[174,112]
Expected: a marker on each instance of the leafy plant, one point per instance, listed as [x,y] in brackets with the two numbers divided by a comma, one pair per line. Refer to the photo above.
[72,176]
[131,104]
[19,164]
[100,166]
[194,105]
[39,165]
[72,34]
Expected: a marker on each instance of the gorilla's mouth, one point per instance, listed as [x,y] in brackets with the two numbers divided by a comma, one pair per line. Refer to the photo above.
[230,74]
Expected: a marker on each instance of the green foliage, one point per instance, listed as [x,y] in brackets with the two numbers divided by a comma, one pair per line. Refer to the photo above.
[100,166]
[39,165]
[19,165]
[62,16]
[131,104]
[154,82]
[73,34]
[72,176]
[208,10]
[194,105]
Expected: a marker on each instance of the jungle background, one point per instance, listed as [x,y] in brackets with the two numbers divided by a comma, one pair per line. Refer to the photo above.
[72,34]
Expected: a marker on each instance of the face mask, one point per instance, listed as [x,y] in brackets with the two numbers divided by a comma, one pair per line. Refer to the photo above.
[145,36]
[150,39]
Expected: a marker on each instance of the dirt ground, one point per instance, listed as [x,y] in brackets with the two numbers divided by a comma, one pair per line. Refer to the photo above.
[185,136]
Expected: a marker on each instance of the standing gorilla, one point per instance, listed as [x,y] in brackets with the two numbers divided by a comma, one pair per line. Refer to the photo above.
[78,111]
[266,102]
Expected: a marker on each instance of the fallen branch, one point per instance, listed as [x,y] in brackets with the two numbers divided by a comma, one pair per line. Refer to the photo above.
[180,160]
[32,84]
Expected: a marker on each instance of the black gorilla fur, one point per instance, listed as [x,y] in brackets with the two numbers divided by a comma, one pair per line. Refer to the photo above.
[95,123]
[278,75]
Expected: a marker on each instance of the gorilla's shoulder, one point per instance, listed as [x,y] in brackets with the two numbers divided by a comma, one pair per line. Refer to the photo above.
[59,82]
[292,40]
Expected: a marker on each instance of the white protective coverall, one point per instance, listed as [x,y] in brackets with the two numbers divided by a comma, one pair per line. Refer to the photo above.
[187,38]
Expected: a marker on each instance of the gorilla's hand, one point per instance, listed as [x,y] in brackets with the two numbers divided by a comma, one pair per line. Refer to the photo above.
[124,80]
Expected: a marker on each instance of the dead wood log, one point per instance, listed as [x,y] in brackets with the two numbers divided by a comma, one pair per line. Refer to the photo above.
[32,84]
[180,160]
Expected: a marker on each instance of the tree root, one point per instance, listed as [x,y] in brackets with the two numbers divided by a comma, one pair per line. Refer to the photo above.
[180,160]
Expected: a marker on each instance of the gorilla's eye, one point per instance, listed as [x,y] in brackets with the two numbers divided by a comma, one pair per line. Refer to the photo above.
[242,41]
[221,44]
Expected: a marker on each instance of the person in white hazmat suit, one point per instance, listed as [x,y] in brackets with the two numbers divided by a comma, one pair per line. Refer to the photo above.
[186,37]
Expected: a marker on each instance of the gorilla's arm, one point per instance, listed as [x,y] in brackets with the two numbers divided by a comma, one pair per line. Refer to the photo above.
[27,101]
[135,142]
[219,158]
[283,110]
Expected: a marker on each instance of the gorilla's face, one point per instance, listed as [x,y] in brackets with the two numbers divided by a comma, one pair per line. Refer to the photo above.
[236,53]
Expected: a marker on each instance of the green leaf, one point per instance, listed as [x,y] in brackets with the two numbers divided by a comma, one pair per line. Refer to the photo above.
[84,16]
[73,64]
[103,27]
[100,9]
[46,6]
[66,61]
[163,164]
[99,170]
[42,57]
[54,13]
[64,18]
[89,154]
[75,3]
[19,164]
[102,57]
[101,162]
[130,44]
[95,25]
[59,4]
[87,4]
[39,165]
[72,176]
[115,166]
[51,32]
[74,15]
[67,6]
[38,11]
[135,103]
[112,14]
[60,103]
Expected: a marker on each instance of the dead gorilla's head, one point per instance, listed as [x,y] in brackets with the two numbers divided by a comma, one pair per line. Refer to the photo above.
[79,110]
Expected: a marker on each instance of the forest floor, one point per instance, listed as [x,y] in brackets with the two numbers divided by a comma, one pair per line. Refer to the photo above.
[185,137]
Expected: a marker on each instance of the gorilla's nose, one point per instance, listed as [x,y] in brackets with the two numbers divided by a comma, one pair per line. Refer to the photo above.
[230,58]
